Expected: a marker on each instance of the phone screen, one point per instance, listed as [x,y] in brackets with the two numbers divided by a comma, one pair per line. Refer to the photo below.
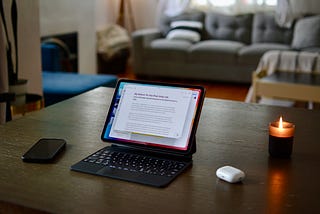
[44,150]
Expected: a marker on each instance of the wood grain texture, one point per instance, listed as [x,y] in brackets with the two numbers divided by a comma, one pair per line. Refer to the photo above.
[229,133]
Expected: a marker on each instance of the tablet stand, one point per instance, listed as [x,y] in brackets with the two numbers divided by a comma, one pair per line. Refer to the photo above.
[193,148]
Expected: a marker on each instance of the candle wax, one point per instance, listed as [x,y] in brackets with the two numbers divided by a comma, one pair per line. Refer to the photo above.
[286,131]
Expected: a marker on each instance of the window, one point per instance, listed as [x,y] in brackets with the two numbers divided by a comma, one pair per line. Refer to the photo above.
[225,3]
[234,6]
[222,3]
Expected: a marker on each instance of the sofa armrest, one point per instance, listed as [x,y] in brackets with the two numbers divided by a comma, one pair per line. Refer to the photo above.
[145,36]
[140,40]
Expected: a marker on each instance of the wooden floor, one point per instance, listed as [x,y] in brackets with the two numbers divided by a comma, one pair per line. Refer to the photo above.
[229,91]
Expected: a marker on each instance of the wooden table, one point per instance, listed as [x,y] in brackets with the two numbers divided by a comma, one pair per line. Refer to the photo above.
[229,133]
[288,85]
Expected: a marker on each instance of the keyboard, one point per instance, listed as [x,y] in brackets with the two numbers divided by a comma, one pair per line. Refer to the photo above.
[129,165]
[136,163]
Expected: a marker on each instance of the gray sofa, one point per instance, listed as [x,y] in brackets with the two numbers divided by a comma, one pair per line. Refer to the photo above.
[229,50]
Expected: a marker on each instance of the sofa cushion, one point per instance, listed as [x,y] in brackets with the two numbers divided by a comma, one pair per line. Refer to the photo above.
[214,51]
[266,30]
[165,21]
[170,44]
[185,30]
[251,54]
[162,49]
[313,50]
[307,33]
[225,27]
[179,34]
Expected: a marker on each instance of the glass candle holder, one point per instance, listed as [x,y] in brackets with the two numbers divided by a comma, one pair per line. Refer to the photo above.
[281,135]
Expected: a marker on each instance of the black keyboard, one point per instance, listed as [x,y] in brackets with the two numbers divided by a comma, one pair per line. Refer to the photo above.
[136,163]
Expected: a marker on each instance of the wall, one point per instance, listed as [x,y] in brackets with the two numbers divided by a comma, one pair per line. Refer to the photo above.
[306,6]
[144,12]
[29,46]
[86,17]
[60,16]
[106,12]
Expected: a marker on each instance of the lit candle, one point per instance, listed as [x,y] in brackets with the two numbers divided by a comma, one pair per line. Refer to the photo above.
[281,135]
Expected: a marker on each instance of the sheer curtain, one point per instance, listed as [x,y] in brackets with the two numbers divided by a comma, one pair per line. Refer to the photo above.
[284,14]
[290,10]
[173,7]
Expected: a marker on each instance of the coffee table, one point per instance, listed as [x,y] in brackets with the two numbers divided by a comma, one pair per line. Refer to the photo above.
[229,133]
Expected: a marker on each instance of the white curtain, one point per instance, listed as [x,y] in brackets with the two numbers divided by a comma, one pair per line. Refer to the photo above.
[284,14]
[290,10]
[172,7]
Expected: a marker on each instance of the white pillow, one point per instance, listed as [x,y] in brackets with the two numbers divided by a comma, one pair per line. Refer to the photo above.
[185,30]
[191,24]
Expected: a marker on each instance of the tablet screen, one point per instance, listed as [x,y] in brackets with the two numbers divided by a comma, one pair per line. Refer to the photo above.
[156,115]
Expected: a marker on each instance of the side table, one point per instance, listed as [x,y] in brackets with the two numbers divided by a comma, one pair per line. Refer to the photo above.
[34,102]
[288,85]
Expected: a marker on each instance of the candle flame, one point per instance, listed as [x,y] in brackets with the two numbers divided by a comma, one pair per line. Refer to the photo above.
[280,123]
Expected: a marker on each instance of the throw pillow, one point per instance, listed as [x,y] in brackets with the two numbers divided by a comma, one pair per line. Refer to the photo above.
[185,30]
[307,33]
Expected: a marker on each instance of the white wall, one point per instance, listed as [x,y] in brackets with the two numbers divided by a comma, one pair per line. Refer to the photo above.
[145,13]
[65,16]
[305,6]
[29,45]
[106,12]
[86,17]
[61,16]
[87,37]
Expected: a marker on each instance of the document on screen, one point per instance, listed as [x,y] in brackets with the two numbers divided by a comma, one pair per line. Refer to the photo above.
[151,110]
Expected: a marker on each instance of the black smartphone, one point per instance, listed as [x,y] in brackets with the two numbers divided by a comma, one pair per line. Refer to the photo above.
[45,150]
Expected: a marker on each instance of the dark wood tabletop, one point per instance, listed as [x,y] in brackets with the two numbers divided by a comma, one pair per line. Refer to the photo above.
[294,78]
[229,133]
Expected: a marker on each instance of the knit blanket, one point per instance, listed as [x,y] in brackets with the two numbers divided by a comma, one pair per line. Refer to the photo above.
[288,61]
[111,40]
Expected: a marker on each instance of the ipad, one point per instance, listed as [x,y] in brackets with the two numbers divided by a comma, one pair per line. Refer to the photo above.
[154,116]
